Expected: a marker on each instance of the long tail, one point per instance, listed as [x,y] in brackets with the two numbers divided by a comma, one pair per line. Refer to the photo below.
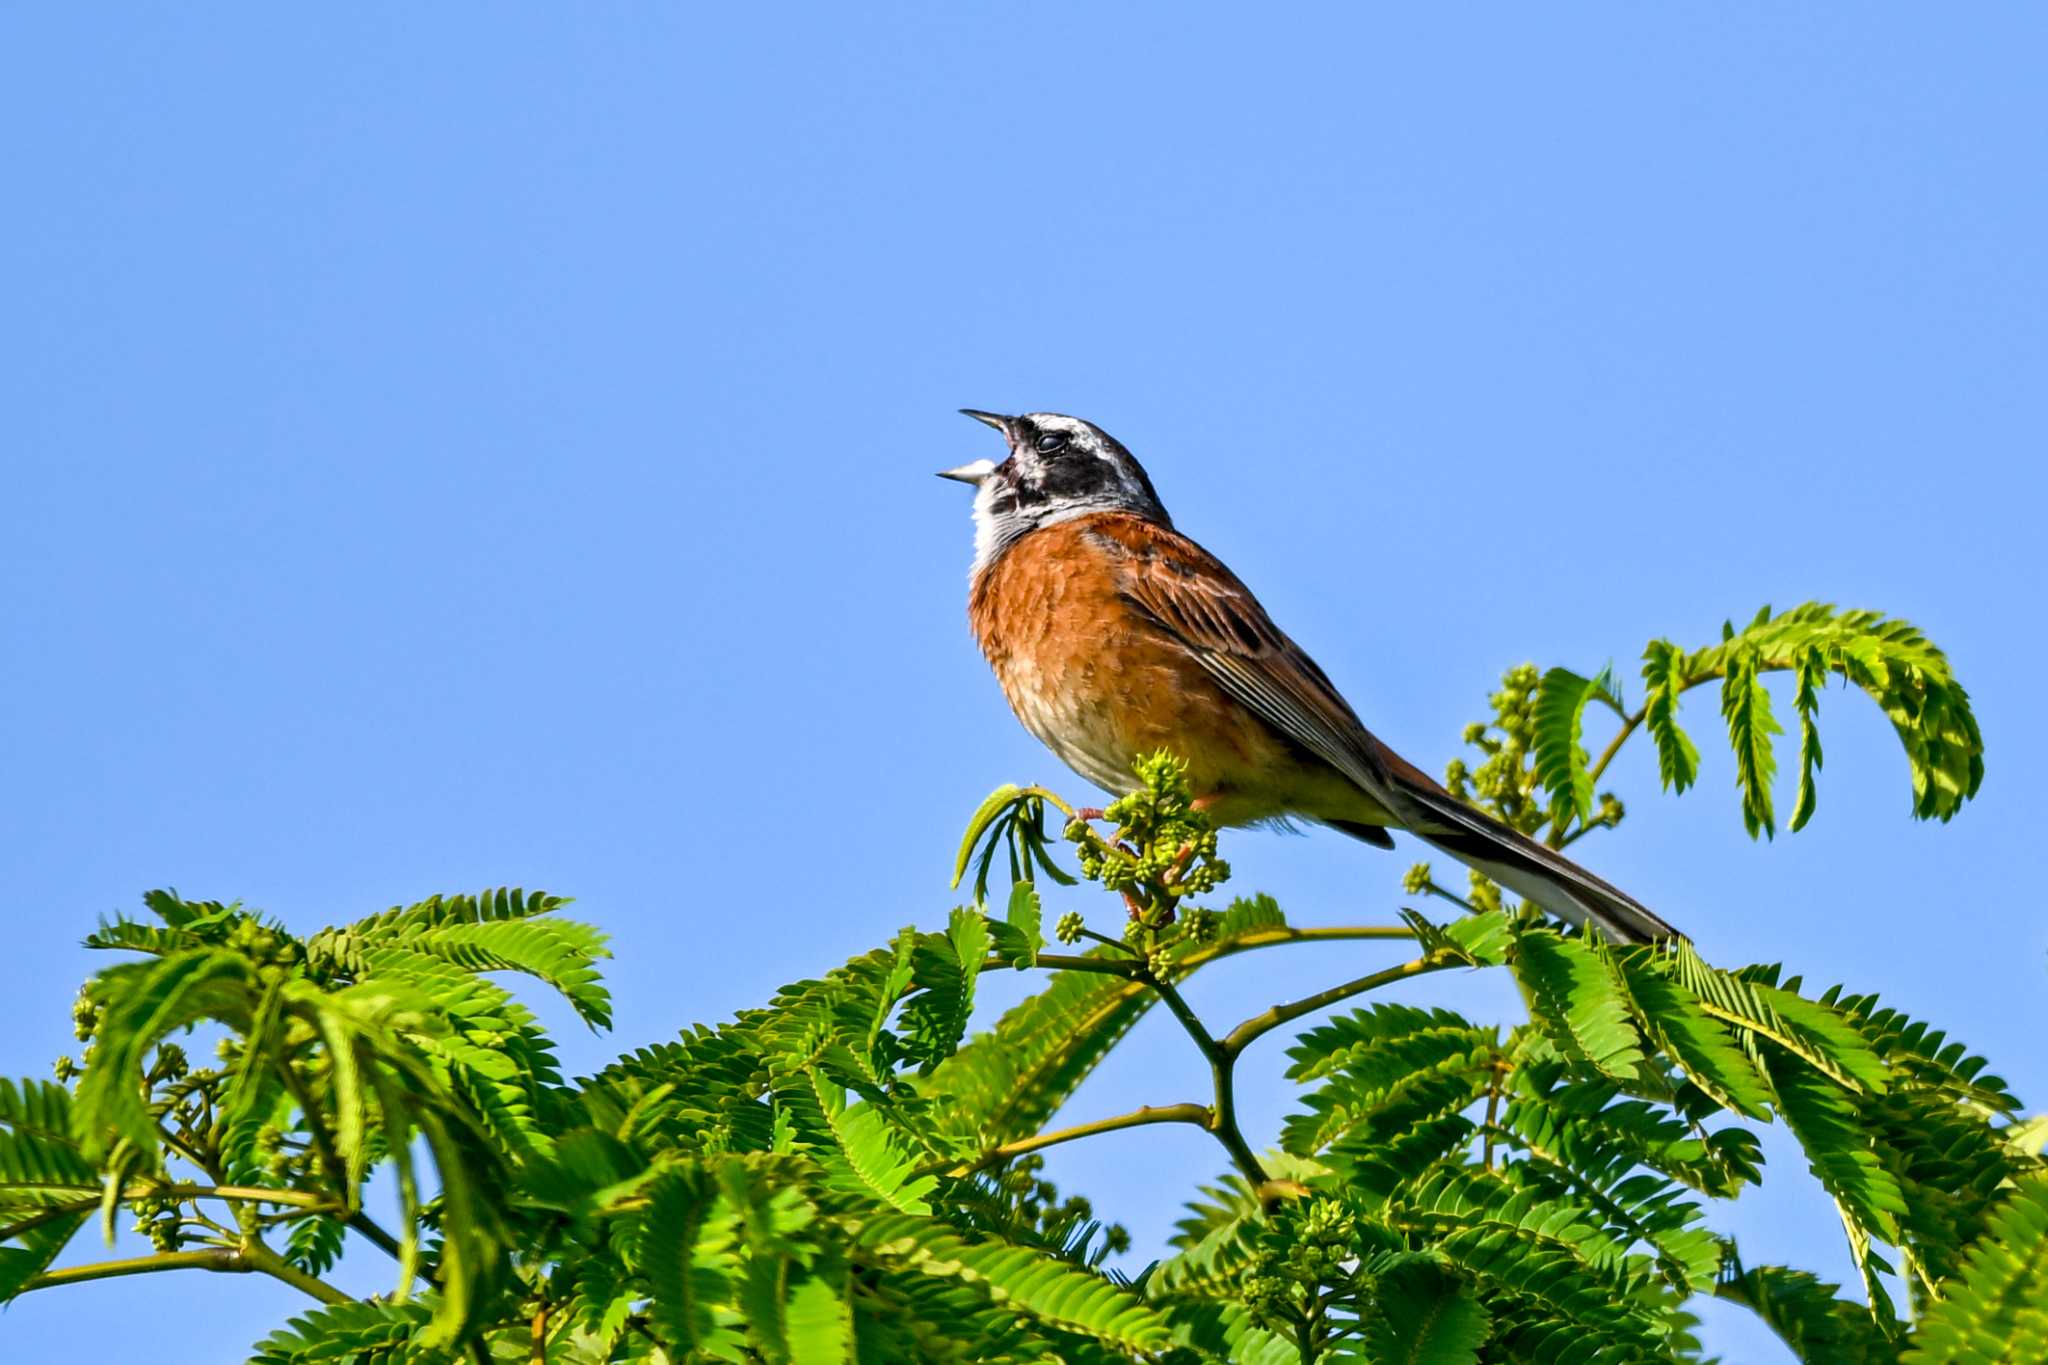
[1524,866]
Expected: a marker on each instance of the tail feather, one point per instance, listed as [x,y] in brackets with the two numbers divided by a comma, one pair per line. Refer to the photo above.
[1529,869]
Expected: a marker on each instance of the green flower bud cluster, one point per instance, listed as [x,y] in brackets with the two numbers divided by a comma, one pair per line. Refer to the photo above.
[1307,1246]
[1324,1242]
[1200,924]
[66,1069]
[1163,849]
[1485,893]
[1417,881]
[157,1218]
[171,1064]
[1505,783]
[1068,930]
[274,952]
[85,1015]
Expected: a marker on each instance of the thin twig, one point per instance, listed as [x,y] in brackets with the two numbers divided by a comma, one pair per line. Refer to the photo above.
[299,1199]
[1628,727]
[252,1255]
[1262,1023]
[1223,1112]
[1062,962]
[1197,1114]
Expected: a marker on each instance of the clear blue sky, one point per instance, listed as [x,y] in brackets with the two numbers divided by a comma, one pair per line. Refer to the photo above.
[456,445]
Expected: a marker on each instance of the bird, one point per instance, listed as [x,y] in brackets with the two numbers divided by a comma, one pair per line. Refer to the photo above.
[1115,636]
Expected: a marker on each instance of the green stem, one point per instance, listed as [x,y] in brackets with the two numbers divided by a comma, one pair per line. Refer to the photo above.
[1222,1077]
[1245,1034]
[252,1255]
[262,1258]
[1162,1113]
[300,1199]
[1063,962]
[1243,943]
[1628,727]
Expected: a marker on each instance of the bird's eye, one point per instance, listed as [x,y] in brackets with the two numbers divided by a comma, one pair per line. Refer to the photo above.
[1051,441]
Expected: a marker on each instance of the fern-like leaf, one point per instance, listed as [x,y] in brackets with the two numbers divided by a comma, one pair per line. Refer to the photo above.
[1996,1311]
[1050,1290]
[1573,996]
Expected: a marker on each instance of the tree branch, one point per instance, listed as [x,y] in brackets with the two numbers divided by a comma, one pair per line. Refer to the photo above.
[298,1199]
[1223,1112]
[252,1255]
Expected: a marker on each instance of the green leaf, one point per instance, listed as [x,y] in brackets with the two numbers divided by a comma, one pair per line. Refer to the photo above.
[1560,762]
[558,951]
[1805,1312]
[1746,706]
[1997,1309]
[817,1320]
[167,994]
[1574,998]
[1840,1155]
[348,1333]
[47,1232]
[875,1164]
[1024,917]
[315,1243]
[1424,1315]
[1052,1291]
[946,967]
[1678,761]
[1005,1083]
[1676,1021]
[997,803]
[1812,672]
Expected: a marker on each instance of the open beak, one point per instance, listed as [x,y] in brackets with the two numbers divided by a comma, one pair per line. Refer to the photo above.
[995,420]
[970,473]
[980,469]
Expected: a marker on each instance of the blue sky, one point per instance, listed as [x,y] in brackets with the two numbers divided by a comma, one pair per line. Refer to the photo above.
[463,445]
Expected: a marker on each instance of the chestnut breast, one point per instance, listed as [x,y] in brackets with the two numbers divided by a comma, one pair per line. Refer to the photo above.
[1097,681]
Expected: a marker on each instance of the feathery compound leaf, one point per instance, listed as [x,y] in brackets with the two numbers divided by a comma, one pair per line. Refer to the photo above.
[1024,917]
[557,951]
[1559,760]
[1053,1291]
[1997,1310]
[504,903]
[1818,1035]
[816,1319]
[1678,761]
[875,1164]
[1807,1315]
[1007,1082]
[36,1142]
[1840,1154]
[1573,997]
[1888,659]
[40,1233]
[351,1334]
[1812,672]
[1746,706]
[1680,1026]
[1423,1315]
[945,967]
[167,994]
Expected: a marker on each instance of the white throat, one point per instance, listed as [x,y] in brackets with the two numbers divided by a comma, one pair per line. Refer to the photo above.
[993,530]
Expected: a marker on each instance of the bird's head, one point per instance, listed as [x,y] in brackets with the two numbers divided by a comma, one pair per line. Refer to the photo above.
[1058,468]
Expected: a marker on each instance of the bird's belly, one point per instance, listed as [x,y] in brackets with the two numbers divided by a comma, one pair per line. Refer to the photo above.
[1102,706]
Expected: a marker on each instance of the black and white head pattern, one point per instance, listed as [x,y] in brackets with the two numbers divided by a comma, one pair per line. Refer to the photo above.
[1058,468]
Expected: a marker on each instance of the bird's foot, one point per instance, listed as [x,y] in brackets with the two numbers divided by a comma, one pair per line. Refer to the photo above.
[1089,813]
